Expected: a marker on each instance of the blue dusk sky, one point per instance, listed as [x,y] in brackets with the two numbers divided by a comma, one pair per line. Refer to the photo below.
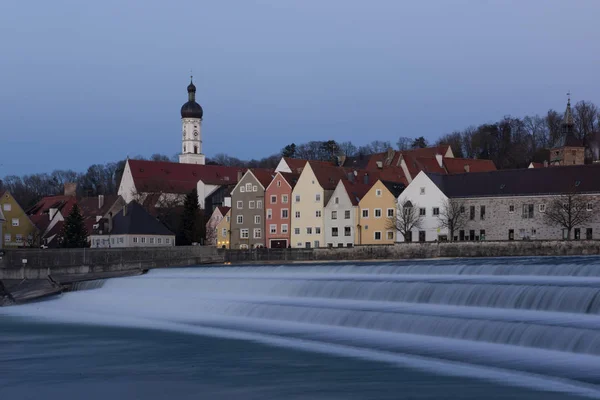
[85,82]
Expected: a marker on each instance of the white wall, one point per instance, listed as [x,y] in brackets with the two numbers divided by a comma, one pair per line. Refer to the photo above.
[432,197]
[344,204]
[127,187]
[282,166]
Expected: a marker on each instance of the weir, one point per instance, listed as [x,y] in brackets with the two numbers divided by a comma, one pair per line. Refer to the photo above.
[534,315]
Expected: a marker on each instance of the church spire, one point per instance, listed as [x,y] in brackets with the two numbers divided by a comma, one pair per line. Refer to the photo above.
[568,118]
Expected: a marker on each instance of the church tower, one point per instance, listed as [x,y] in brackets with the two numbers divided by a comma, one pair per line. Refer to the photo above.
[191,123]
[568,150]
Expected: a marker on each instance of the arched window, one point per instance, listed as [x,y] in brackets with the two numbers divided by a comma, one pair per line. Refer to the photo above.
[195,149]
[184,148]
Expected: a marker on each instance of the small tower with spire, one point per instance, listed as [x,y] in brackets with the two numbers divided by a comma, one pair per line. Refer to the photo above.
[191,126]
[568,150]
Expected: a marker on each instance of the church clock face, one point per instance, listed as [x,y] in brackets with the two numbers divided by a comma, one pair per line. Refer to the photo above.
[195,133]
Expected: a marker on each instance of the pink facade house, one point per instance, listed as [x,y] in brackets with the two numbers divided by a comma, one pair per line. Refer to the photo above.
[278,209]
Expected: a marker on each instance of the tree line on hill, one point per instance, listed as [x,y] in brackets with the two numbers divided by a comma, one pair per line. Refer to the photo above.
[509,142]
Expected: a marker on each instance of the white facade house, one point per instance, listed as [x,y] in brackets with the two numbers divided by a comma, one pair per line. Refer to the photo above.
[340,218]
[425,196]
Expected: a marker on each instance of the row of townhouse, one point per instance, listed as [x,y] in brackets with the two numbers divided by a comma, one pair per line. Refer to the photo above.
[304,204]
[507,204]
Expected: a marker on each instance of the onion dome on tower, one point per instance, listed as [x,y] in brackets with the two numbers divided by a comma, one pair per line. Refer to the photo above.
[191,109]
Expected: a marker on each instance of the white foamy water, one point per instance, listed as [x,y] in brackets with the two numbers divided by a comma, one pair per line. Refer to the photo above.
[523,322]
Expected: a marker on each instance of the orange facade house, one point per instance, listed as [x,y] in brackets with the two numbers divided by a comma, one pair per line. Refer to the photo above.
[278,209]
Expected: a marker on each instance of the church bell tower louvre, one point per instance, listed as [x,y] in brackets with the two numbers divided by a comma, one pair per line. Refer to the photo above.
[191,126]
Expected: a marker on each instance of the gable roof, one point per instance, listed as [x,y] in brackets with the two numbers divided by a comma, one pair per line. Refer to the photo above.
[224,210]
[395,188]
[521,182]
[169,177]
[264,176]
[290,177]
[459,165]
[356,191]
[137,221]
[297,164]
[328,176]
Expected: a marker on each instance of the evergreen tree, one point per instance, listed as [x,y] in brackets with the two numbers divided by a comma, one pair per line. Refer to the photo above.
[74,233]
[289,151]
[191,220]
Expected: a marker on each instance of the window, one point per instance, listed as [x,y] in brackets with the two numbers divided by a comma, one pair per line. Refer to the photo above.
[228,218]
[318,213]
[309,231]
[422,212]
[251,204]
[255,188]
[121,240]
[240,204]
[243,247]
[284,228]
[248,187]
[334,215]
[462,209]
[422,236]
[242,189]
[224,232]
[7,238]
[273,228]
[269,213]
[244,233]
[347,231]
[511,234]
[273,199]
[278,183]
[588,234]
[240,219]
[461,234]
[318,197]
[533,232]
[377,213]
[19,238]
[390,235]
[167,240]
[284,213]
[481,212]
[296,231]
[317,231]
[527,210]
[257,219]
[542,207]
[151,240]
[317,244]
[436,211]
[378,192]
[589,206]
[297,198]
[422,190]
[284,198]
[15,222]
[576,230]
[7,206]
[135,240]
[337,200]
[259,204]
[511,208]
[143,240]
[472,213]
[471,235]
[390,212]
[377,235]
[347,214]
[334,231]
[297,214]
[482,234]
[365,213]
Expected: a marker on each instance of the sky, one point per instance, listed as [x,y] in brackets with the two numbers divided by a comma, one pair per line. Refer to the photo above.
[92,82]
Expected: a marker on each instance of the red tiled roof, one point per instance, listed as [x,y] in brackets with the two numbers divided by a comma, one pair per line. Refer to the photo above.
[64,204]
[168,177]
[357,190]
[224,210]
[457,165]
[264,176]
[290,177]
[40,221]
[297,164]
[537,165]
[328,176]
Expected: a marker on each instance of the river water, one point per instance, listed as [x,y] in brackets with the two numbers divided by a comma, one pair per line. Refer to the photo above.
[458,329]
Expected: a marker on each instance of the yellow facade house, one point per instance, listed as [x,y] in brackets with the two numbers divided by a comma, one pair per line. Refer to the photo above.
[223,231]
[18,230]
[375,210]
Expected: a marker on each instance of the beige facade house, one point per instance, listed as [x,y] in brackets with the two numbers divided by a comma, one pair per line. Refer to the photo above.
[341,213]
[18,230]
[212,234]
[224,231]
[376,208]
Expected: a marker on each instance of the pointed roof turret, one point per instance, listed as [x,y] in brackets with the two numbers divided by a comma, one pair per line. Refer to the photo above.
[191,109]
[568,118]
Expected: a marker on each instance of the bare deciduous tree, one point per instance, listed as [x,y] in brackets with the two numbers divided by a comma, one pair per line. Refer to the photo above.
[406,219]
[452,216]
[569,211]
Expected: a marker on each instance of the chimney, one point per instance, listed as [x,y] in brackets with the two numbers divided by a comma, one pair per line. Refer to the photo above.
[341,160]
[100,201]
[350,176]
[379,164]
[366,178]
[439,159]
[545,163]
[70,189]
[110,222]
[467,168]
[125,210]
[227,201]
[239,175]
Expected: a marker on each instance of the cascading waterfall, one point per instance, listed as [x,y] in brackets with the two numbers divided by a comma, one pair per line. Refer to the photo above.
[531,315]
